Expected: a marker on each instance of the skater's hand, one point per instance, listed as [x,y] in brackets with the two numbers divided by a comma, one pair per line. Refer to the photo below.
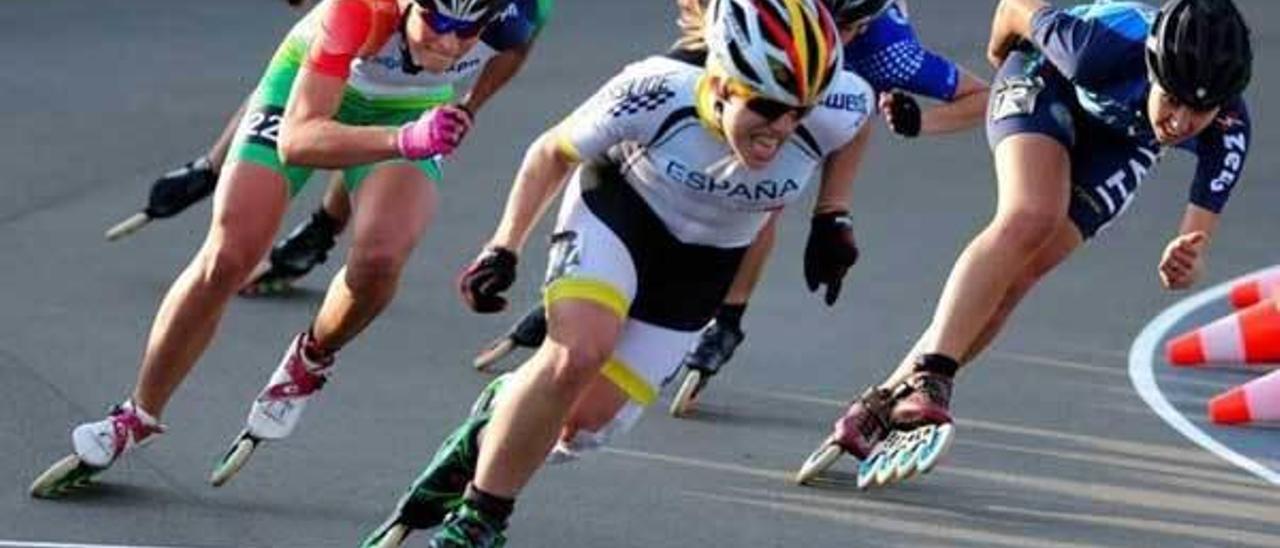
[830,252]
[901,113]
[177,190]
[1182,263]
[483,282]
[437,132]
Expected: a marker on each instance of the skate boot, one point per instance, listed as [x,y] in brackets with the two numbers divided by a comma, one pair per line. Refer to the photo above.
[858,432]
[97,445]
[468,527]
[172,193]
[920,422]
[715,347]
[922,428]
[278,408]
[306,247]
[439,489]
[527,333]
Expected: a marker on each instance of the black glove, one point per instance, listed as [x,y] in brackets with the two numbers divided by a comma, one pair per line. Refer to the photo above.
[904,115]
[179,189]
[483,282]
[829,253]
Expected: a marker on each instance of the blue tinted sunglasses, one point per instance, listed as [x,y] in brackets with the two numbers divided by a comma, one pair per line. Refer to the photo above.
[443,24]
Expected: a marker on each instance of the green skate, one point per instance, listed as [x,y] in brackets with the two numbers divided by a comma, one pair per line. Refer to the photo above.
[467,527]
[438,490]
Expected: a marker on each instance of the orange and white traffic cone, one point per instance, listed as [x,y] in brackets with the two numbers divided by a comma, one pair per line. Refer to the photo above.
[1255,401]
[1250,336]
[1264,285]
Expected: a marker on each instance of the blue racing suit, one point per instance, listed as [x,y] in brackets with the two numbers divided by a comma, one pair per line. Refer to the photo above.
[1083,82]
[889,56]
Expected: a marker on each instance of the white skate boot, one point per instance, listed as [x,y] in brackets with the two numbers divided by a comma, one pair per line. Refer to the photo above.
[277,409]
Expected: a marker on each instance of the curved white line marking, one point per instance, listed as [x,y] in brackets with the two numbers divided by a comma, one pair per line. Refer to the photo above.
[34,544]
[1141,356]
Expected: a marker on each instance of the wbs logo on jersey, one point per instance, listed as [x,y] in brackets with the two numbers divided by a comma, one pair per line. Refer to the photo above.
[641,94]
[852,102]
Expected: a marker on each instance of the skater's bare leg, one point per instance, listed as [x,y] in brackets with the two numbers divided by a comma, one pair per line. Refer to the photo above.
[536,403]
[248,206]
[1033,180]
[336,202]
[1065,241]
[394,206]
[594,409]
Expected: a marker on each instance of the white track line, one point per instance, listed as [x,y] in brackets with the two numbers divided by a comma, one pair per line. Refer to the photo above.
[1141,362]
[30,544]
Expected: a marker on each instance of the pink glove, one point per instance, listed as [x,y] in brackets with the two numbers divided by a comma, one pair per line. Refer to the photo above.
[438,132]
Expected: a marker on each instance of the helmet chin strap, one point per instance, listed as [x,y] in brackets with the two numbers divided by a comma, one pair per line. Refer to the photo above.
[710,105]
[407,64]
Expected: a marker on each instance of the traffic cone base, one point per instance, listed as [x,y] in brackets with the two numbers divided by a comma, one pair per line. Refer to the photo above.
[1250,336]
[1257,401]
[1265,285]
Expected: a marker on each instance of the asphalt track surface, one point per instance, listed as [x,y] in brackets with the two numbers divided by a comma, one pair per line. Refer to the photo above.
[1055,448]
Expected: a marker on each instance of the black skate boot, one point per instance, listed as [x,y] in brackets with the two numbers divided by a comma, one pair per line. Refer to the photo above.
[715,348]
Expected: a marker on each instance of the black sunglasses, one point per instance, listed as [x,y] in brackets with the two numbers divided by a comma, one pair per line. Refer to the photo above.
[771,110]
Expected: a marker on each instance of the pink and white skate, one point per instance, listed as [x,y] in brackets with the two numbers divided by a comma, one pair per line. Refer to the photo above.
[278,408]
[96,446]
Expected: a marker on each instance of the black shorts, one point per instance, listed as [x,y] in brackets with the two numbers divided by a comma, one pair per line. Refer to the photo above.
[1028,96]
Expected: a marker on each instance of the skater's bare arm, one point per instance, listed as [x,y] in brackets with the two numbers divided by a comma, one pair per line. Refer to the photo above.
[309,136]
[835,192]
[964,111]
[1011,23]
[1182,263]
[495,75]
[545,167]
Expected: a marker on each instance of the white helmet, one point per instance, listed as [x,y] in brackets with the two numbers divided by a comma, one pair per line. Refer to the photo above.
[785,50]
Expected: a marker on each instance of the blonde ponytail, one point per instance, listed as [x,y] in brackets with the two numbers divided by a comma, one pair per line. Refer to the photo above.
[692,25]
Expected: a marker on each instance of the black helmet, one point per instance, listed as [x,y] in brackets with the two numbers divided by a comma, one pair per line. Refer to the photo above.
[1198,50]
[855,11]
[470,11]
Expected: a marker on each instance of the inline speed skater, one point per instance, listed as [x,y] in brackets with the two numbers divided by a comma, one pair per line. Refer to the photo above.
[361,86]
[1085,103]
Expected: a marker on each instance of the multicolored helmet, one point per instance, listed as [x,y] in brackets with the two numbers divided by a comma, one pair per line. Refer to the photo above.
[785,50]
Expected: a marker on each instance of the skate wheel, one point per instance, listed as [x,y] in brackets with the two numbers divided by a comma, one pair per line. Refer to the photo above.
[393,537]
[818,462]
[128,226]
[878,469]
[496,351]
[686,397]
[65,475]
[932,448]
[887,471]
[233,461]
[906,460]
[868,469]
